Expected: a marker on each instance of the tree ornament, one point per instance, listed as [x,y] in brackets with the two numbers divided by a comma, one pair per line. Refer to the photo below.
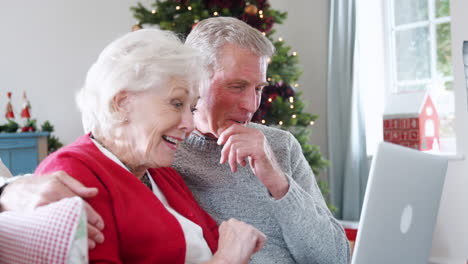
[251,10]
[26,106]
[136,27]
[9,108]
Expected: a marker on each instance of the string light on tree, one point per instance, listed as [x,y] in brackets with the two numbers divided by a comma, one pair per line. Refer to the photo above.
[312,123]
[263,121]
[294,116]
[291,99]
[270,100]
[291,106]
[189,8]
[215,13]
[280,123]
[296,85]
[280,39]
[177,8]
[153,11]
[263,33]
[294,53]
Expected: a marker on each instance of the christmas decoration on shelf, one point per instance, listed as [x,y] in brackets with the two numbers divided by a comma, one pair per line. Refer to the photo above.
[30,125]
[415,127]
[9,108]
[53,143]
[26,106]
[281,105]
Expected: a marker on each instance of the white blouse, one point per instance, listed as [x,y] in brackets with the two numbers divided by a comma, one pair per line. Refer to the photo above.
[197,249]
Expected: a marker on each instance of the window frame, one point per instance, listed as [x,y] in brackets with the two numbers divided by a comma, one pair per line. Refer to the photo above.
[391,84]
[392,28]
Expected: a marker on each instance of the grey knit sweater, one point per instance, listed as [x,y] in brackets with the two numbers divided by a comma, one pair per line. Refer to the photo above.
[299,227]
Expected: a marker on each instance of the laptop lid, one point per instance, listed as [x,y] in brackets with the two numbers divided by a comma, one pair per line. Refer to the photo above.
[400,206]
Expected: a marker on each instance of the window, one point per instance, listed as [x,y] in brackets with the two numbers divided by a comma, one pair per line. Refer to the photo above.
[417,57]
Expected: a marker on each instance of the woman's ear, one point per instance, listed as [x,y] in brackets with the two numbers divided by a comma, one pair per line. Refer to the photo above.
[120,103]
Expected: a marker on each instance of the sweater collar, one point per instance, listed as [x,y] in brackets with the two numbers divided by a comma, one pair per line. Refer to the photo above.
[200,142]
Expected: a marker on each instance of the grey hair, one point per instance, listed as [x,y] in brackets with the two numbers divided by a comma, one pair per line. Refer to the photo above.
[210,35]
[141,60]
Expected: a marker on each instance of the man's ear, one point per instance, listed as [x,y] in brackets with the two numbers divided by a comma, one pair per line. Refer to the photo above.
[120,102]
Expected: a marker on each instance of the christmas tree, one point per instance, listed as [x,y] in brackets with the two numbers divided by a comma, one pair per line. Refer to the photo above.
[281,105]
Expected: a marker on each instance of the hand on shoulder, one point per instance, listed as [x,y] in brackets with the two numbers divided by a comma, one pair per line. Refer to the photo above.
[27,193]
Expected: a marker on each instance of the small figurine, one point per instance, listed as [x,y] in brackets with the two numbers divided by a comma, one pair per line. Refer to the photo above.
[26,106]
[9,108]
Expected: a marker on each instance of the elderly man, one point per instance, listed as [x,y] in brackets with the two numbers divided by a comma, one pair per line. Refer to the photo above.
[274,188]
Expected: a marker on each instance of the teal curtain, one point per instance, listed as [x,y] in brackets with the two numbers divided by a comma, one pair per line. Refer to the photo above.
[346,127]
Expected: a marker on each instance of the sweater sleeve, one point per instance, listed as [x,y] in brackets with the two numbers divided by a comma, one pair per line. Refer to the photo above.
[310,231]
[108,251]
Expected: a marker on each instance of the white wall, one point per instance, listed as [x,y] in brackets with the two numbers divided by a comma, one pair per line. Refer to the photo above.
[450,242]
[306,31]
[46,49]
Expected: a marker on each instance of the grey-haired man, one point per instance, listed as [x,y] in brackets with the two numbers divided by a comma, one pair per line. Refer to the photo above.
[247,171]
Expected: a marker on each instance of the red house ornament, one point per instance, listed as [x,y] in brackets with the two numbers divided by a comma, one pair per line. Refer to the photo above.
[411,120]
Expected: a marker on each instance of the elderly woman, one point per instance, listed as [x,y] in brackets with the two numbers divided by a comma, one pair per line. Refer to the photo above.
[137,105]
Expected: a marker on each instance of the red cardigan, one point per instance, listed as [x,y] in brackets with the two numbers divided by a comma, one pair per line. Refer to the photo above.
[138,228]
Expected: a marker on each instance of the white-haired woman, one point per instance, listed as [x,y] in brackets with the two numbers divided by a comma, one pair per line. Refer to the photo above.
[137,105]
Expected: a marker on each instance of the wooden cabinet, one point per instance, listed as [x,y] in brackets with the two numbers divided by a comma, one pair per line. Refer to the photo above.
[22,152]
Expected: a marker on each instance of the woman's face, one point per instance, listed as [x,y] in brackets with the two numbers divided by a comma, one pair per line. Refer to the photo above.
[158,120]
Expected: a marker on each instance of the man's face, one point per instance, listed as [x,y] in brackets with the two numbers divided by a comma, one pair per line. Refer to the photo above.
[234,93]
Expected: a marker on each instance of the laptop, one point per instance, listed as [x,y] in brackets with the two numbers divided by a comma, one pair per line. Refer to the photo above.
[400,206]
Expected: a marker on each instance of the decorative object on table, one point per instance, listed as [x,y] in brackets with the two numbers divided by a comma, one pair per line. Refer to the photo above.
[281,106]
[26,106]
[53,143]
[9,114]
[10,127]
[411,120]
[30,126]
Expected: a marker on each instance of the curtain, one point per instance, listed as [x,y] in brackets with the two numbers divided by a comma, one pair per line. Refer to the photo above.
[346,127]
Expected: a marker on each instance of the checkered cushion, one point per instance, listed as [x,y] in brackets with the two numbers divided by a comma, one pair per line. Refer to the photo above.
[51,234]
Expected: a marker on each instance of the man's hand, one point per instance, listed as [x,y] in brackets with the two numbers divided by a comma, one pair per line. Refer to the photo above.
[28,193]
[244,143]
[238,241]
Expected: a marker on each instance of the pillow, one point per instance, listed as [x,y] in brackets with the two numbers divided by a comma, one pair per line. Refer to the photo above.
[55,233]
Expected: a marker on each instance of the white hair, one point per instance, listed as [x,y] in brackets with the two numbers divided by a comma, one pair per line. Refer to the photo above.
[210,35]
[141,60]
